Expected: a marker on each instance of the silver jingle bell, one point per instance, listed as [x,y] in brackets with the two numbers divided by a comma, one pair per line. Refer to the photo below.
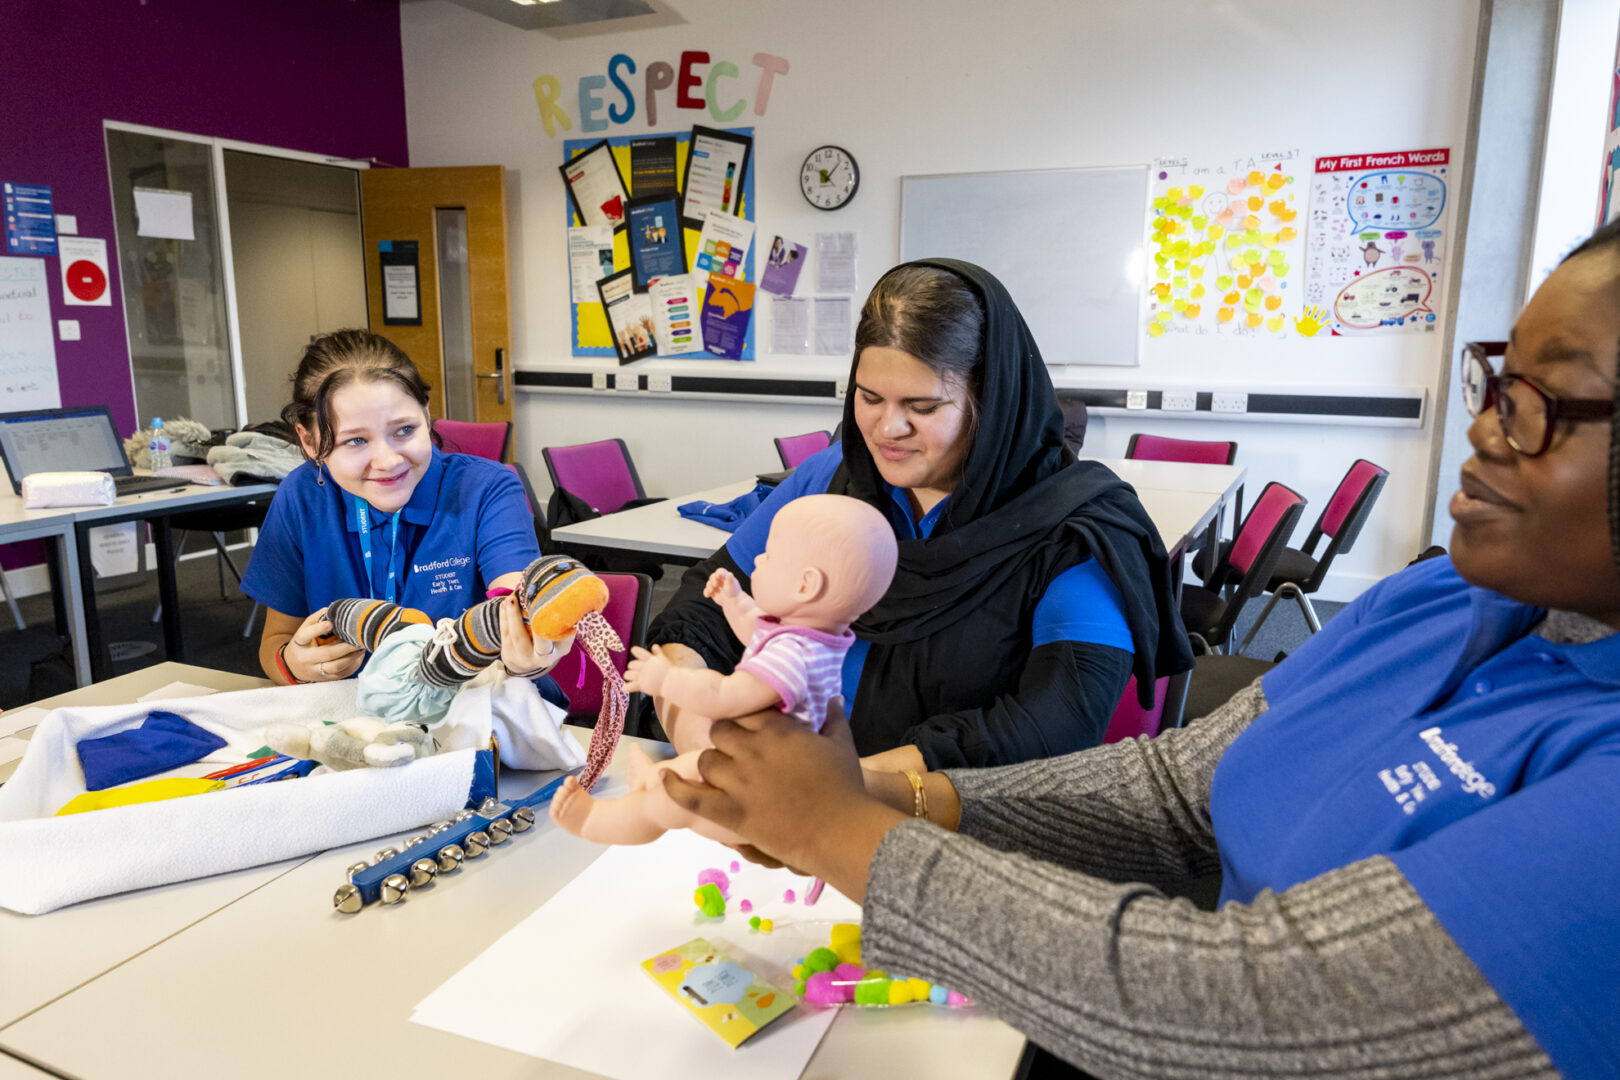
[450,858]
[347,899]
[393,888]
[488,806]
[464,815]
[423,871]
[384,855]
[355,869]
[476,843]
[523,819]
[500,831]
[413,841]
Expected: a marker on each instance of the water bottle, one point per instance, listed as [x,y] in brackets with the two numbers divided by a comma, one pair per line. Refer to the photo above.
[158,446]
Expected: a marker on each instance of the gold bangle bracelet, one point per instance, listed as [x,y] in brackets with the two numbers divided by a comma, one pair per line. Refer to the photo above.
[919,798]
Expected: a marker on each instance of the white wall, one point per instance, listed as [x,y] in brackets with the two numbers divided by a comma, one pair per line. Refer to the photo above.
[961,85]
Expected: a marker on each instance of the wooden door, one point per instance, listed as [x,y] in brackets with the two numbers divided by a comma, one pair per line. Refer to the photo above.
[402,205]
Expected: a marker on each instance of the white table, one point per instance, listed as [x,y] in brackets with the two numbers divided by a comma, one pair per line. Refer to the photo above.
[1181,498]
[69,528]
[252,973]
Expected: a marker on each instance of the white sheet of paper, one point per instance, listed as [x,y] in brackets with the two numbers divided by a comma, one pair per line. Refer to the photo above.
[177,690]
[676,326]
[20,720]
[576,963]
[12,750]
[835,262]
[399,292]
[28,378]
[114,549]
[590,259]
[790,326]
[164,214]
[833,327]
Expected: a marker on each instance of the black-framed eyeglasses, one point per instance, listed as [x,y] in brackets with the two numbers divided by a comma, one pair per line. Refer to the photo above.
[1528,412]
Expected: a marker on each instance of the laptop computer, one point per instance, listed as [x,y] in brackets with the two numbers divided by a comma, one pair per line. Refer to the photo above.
[61,440]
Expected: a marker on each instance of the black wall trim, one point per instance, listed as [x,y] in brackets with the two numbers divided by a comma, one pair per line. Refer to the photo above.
[1273,405]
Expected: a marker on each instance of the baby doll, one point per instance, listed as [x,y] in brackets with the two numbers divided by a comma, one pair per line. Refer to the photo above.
[416,668]
[827,560]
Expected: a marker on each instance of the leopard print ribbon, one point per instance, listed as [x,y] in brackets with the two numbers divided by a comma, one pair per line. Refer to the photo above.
[599,641]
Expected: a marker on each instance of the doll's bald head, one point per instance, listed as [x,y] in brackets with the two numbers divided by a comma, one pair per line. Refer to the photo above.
[827,561]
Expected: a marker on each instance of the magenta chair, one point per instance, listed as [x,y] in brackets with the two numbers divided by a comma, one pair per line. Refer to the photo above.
[600,474]
[1260,541]
[628,611]
[795,448]
[489,440]
[1297,573]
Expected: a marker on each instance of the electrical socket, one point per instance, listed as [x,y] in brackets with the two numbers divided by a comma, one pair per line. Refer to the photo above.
[663,383]
[626,381]
[843,387]
[1136,399]
[1179,401]
[599,380]
[1229,402]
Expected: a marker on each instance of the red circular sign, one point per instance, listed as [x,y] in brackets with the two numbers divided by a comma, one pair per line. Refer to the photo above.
[85,280]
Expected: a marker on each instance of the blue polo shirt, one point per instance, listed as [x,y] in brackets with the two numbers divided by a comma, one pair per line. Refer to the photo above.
[1081,604]
[1426,724]
[467,523]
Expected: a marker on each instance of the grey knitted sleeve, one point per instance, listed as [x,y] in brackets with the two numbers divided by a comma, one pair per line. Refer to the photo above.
[1346,975]
[1130,811]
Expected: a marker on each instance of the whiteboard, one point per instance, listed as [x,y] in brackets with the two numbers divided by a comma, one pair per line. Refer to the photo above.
[27,345]
[1067,243]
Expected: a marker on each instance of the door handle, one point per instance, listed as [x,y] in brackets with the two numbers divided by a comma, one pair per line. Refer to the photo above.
[499,376]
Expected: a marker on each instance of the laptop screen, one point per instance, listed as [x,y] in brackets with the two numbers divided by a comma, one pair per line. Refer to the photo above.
[59,440]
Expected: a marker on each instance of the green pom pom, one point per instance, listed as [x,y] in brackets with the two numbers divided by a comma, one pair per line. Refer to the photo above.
[798,988]
[708,898]
[820,960]
[872,991]
[754,922]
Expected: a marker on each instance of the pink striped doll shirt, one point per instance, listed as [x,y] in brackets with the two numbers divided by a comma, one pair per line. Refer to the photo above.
[804,666]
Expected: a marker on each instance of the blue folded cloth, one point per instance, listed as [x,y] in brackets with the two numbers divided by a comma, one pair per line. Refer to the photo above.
[163,741]
[727,515]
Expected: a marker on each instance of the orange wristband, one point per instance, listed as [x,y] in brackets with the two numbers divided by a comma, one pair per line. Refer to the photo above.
[281,662]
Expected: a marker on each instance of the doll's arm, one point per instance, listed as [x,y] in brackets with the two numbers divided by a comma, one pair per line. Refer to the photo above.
[741,613]
[713,694]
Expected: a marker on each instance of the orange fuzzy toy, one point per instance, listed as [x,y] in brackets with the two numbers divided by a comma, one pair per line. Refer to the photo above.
[556,593]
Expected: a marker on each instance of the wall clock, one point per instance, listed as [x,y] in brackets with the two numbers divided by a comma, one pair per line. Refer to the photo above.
[829,178]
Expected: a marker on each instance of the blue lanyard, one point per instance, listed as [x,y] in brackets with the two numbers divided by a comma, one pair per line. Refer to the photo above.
[396,554]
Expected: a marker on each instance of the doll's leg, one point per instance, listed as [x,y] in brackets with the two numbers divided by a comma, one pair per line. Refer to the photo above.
[367,622]
[474,646]
[641,816]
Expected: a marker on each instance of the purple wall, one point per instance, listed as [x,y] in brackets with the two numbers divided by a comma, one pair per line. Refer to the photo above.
[324,76]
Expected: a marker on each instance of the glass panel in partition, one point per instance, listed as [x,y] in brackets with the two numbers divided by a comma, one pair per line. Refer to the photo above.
[166,220]
[455,312]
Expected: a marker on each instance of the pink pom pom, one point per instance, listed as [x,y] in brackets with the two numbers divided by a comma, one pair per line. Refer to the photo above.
[746,906]
[849,973]
[955,1000]
[823,988]
[735,866]
[717,878]
[788,897]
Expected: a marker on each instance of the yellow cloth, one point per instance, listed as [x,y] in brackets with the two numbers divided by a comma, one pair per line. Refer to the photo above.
[150,791]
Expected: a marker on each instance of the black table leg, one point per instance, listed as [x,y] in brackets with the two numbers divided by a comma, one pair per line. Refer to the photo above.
[53,562]
[168,589]
[100,658]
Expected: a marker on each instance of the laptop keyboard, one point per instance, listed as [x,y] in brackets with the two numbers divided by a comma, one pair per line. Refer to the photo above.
[134,485]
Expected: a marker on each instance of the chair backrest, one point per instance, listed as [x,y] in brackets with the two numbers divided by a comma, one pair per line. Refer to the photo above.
[486,440]
[542,531]
[1347,511]
[1259,543]
[1130,719]
[628,611]
[1157,448]
[793,449]
[601,473]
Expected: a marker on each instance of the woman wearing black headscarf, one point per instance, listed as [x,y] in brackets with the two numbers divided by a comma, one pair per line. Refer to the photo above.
[1031,586]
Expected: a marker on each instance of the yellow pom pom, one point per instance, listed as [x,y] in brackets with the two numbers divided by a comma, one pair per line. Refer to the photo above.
[919,989]
[900,992]
[766,925]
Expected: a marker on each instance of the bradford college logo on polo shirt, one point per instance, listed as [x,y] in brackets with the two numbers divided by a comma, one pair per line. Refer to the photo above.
[1411,784]
[446,574]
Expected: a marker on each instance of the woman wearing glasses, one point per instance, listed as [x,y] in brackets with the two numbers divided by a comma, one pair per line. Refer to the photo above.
[1414,814]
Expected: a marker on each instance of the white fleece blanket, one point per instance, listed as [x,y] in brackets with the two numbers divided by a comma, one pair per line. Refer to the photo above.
[47,862]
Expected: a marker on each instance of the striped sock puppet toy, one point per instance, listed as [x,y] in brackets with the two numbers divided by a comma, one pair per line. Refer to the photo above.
[417,667]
